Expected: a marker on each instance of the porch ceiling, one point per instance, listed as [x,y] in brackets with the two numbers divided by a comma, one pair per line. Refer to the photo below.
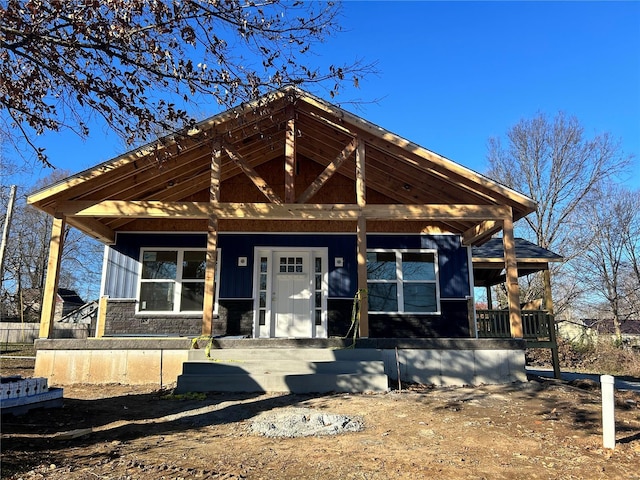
[177,168]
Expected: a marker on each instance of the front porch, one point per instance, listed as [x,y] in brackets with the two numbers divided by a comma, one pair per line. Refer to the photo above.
[139,361]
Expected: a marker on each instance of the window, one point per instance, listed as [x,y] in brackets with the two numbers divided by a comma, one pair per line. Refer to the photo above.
[403,281]
[172,281]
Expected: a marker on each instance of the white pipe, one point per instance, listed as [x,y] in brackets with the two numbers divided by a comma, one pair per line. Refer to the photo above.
[608,415]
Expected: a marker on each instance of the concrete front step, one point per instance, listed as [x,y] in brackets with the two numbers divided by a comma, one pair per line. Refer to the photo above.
[294,383]
[302,370]
[279,354]
[283,367]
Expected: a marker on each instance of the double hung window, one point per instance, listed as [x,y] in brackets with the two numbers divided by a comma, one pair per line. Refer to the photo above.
[403,281]
[172,280]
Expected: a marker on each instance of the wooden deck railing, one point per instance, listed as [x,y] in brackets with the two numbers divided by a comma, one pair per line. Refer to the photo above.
[539,330]
[536,324]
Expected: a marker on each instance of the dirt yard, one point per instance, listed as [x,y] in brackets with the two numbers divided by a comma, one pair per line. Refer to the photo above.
[537,430]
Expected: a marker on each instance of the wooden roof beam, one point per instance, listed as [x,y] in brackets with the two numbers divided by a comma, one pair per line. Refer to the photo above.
[328,172]
[388,141]
[295,211]
[481,232]
[93,228]
[257,180]
[290,157]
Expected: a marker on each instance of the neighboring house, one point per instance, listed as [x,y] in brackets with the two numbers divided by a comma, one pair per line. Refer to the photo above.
[591,329]
[66,301]
[266,221]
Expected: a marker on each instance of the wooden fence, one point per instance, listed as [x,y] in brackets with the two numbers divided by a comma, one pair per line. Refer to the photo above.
[12,332]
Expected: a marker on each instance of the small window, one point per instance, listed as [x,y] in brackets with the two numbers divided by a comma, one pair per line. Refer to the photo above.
[172,281]
[402,281]
[291,265]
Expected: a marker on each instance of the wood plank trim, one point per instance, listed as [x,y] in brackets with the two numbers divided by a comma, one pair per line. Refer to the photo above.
[257,180]
[289,211]
[361,233]
[56,244]
[212,246]
[214,126]
[93,228]
[363,313]
[290,157]
[328,172]
[480,232]
[511,270]
[384,138]
[101,322]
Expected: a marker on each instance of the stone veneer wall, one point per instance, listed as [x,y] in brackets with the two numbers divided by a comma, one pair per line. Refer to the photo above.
[235,318]
[121,319]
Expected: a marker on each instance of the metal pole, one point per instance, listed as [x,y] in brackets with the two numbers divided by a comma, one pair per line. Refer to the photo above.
[5,230]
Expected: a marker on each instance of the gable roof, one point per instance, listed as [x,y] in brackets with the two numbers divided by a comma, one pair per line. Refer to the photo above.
[178,167]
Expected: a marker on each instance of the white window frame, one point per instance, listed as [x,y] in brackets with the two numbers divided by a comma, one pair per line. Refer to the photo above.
[178,281]
[400,282]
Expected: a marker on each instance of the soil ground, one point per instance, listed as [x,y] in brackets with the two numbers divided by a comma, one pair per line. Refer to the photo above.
[542,429]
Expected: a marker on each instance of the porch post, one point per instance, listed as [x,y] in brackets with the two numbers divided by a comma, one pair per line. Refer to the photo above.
[362,240]
[511,267]
[489,298]
[212,246]
[548,297]
[290,157]
[50,293]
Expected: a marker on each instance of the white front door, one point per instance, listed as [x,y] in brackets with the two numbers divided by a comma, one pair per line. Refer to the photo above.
[290,293]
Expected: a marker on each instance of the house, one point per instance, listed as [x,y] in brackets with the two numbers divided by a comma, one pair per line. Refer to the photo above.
[264,223]
[590,329]
[66,301]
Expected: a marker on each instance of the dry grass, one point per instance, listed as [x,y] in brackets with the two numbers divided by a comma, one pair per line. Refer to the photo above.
[602,356]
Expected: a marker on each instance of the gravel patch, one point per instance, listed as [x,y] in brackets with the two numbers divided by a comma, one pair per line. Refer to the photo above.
[303,422]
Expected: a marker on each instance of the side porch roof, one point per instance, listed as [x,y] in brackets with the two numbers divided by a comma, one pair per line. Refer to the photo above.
[488,260]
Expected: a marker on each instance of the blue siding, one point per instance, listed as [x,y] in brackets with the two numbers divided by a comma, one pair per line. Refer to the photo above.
[453,262]
[342,281]
[237,282]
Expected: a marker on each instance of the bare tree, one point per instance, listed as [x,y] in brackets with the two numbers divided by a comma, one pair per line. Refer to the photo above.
[608,226]
[137,63]
[27,257]
[557,165]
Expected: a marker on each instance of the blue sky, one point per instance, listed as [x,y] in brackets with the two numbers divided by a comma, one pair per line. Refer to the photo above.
[453,74]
